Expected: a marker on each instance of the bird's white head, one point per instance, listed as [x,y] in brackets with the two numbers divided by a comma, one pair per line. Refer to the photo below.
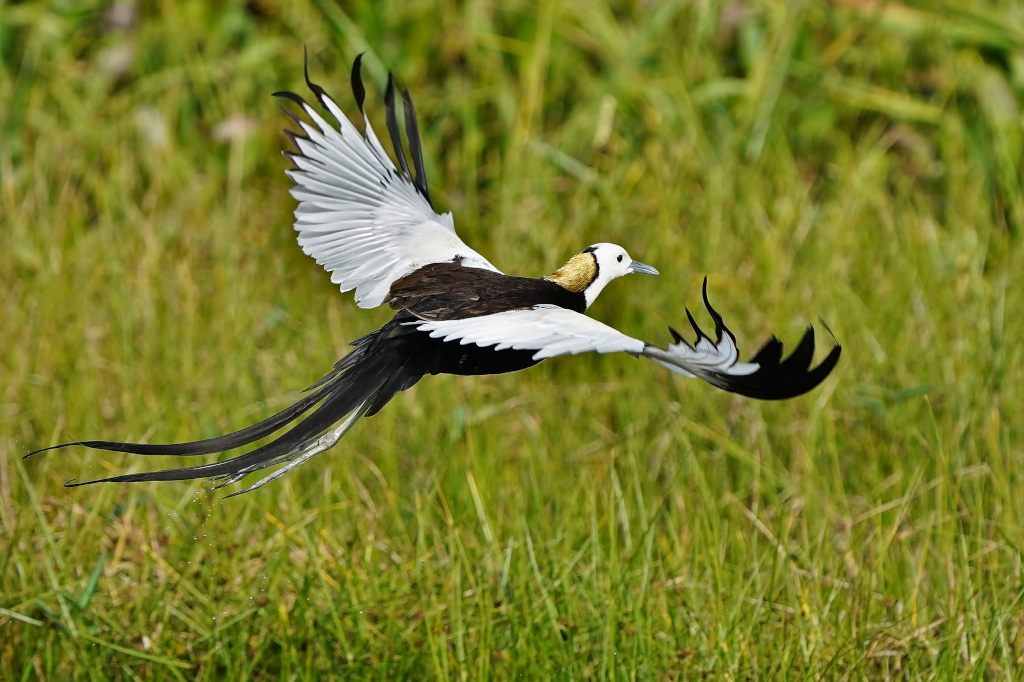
[591,269]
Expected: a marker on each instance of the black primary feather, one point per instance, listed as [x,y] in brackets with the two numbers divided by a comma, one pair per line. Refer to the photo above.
[419,179]
[391,119]
[317,90]
[412,131]
[358,91]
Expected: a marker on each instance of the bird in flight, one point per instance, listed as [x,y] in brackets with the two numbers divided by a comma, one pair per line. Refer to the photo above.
[372,225]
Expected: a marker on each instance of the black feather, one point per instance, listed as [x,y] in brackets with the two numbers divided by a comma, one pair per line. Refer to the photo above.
[358,91]
[779,378]
[391,118]
[696,327]
[769,354]
[343,393]
[291,96]
[776,377]
[382,364]
[412,132]
[317,90]
[719,322]
[228,441]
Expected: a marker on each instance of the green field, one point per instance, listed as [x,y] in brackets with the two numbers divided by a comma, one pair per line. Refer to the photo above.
[595,517]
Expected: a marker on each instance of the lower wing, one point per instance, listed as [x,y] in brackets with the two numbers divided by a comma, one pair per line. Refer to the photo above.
[554,331]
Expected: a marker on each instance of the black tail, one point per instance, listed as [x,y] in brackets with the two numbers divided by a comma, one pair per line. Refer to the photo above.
[364,380]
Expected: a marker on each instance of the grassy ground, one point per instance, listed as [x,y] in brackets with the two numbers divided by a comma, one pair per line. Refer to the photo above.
[594,517]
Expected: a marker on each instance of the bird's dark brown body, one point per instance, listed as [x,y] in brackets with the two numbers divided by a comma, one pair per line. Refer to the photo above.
[449,291]
[443,291]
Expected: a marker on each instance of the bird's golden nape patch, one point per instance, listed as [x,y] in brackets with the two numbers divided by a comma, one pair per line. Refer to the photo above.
[577,274]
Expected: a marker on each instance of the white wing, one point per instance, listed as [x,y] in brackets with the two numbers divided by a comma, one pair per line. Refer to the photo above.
[547,329]
[553,331]
[361,219]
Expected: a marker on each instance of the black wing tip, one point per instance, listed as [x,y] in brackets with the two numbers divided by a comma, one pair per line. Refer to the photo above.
[412,132]
[358,89]
[291,96]
[317,90]
[831,360]
[391,120]
[720,327]
[389,91]
[418,180]
[778,377]
[770,352]
[781,378]
[693,323]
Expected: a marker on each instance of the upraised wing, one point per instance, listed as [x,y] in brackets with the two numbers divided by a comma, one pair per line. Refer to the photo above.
[554,331]
[363,220]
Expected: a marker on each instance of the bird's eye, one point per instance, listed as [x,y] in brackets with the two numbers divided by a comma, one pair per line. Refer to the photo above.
[620,257]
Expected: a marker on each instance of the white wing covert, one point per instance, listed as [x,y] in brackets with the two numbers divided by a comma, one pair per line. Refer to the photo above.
[548,329]
[363,220]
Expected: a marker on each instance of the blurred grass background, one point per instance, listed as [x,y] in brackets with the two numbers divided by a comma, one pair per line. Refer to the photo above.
[594,517]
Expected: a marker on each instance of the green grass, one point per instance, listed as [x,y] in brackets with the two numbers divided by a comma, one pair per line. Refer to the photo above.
[593,517]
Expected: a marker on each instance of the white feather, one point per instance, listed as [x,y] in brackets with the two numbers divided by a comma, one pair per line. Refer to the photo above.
[549,330]
[703,357]
[552,331]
